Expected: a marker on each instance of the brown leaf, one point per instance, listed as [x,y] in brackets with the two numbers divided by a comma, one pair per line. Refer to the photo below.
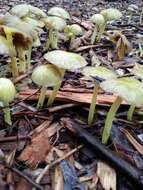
[133,141]
[36,152]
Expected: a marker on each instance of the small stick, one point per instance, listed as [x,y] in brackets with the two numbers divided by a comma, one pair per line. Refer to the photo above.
[56,162]
[25,177]
[61,107]
[14,138]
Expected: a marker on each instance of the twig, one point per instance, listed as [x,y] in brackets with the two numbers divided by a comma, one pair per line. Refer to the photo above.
[14,138]
[45,170]
[25,177]
[61,107]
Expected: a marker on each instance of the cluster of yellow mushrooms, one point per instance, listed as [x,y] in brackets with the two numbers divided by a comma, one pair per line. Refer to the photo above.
[20,30]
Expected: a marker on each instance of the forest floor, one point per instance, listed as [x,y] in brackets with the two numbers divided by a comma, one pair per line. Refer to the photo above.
[58,139]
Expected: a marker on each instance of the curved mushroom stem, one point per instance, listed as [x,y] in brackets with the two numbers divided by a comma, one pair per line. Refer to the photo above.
[50,38]
[42,97]
[93,104]
[55,90]
[141,16]
[29,57]
[130,112]
[102,28]
[94,34]
[109,119]
[72,38]
[12,55]
[21,60]
[6,110]
[54,42]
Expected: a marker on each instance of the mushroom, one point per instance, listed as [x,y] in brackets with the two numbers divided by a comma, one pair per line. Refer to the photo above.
[98,20]
[7,94]
[109,15]
[132,10]
[126,88]
[64,60]
[72,31]
[45,76]
[59,12]
[100,72]
[54,24]
[123,46]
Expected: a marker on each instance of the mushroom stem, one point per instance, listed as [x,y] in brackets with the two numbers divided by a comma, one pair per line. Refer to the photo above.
[55,90]
[12,54]
[72,38]
[94,34]
[54,42]
[101,31]
[14,67]
[93,104]
[29,57]
[140,50]
[130,112]
[141,16]
[21,60]
[130,17]
[50,38]
[6,110]
[42,97]
[109,119]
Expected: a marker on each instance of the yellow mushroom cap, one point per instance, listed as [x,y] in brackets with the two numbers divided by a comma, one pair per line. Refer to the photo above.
[65,60]
[7,90]
[128,88]
[138,71]
[46,75]
[21,10]
[100,72]
[97,19]
[37,12]
[59,12]
[55,23]
[76,29]
[111,14]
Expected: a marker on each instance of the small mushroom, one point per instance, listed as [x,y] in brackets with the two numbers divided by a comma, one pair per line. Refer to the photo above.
[98,20]
[109,15]
[64,60]
[138,71]
[128,89]
[59,12]
[54,24]
[100,72]
[7,94]
[72,31]
[45,76]
[132,10]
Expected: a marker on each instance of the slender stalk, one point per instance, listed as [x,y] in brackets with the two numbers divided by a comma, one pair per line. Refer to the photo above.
[109,119]
[29,57]
[93,104]
[94,34]
[140,50]
[54,42]
[12,54]
[14,68]
[72,38]
[102,28]
[6,110]
[130,17]
[42,97]
[55,90]
[21,60]
[50,38]
[141,16]
[130,112]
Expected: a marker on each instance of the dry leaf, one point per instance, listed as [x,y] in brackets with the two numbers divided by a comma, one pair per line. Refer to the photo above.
[58,179]
[107,176]
[36,152]
[133,141]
